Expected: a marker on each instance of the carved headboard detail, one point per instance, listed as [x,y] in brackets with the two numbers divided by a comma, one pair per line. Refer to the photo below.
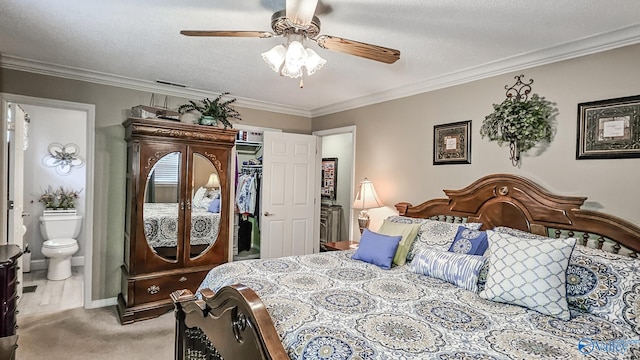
[516,202]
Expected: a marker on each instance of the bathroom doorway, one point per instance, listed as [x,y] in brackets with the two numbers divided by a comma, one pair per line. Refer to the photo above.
[53,125]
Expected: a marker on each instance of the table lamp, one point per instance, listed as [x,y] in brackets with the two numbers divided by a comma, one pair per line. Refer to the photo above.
[213,183]
[366,199]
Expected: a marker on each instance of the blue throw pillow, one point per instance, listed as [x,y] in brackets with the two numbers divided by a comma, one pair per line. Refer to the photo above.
[470,242]
[214,206]
[377,249]
[459,269]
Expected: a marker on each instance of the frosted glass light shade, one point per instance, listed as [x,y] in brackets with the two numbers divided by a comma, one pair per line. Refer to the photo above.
[314,62]
[289,61]
[275,57]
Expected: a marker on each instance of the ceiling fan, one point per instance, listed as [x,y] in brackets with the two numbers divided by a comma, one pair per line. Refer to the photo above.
[298,23]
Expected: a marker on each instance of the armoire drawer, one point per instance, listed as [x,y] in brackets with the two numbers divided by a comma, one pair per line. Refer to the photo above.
[156,289]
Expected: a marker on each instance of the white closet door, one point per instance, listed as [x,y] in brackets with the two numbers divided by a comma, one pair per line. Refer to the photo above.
[289,189]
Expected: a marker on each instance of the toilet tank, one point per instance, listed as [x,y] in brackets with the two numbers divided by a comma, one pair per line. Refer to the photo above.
[60,226]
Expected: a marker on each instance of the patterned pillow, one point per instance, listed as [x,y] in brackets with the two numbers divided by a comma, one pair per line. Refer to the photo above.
[470,242]
[432,233]
[459,269]
[529,273]
[198,196]
[606,285]
[408,233]
[598,282]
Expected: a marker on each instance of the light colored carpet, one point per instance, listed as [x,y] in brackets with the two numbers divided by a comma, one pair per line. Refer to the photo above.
[93,334]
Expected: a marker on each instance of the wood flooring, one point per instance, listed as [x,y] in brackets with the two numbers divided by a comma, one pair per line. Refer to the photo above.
[51,296]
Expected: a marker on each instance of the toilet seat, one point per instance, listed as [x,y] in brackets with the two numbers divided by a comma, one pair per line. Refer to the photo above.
[60,243]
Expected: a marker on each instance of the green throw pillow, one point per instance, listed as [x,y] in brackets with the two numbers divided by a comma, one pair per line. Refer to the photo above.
[408,233]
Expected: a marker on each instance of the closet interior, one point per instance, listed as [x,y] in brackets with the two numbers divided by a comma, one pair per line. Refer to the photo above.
[248,185]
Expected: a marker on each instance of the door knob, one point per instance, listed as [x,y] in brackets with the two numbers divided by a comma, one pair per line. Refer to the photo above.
[266,213]
[25,214]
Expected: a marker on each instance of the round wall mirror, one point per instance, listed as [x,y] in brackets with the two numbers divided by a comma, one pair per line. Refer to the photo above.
[160,209]
[205,205]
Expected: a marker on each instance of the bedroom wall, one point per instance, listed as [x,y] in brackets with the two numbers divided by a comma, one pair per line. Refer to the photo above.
[395,138]
[112,107]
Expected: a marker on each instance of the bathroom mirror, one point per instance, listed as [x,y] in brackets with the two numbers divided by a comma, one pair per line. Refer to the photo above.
[205,205]
[161,206]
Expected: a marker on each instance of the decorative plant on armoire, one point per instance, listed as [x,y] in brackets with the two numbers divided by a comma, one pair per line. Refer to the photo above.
[213,111]
[519,120]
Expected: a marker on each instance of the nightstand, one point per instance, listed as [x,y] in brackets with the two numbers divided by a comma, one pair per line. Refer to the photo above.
[340,245]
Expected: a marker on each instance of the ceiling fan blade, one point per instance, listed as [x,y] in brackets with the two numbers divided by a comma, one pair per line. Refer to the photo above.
[300,12]
[228,33]
[351,47]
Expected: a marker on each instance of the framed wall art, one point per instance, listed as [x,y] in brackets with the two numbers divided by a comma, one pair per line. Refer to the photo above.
[329,179]
[452,143]
[609,129]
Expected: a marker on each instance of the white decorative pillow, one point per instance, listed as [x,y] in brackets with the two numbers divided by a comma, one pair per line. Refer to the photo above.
[529,273]
[205,202]
[198,196]
[461,270]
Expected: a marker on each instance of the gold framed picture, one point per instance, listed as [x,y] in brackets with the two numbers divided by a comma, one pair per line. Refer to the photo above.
[609,129]
[452,143]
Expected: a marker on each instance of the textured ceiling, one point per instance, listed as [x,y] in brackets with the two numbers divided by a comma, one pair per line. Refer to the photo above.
[136,42]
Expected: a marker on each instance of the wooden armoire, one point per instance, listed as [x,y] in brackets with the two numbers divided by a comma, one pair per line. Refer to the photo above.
[173,233]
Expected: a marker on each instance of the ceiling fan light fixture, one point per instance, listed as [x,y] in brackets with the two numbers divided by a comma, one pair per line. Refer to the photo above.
[275,57]
[289,61]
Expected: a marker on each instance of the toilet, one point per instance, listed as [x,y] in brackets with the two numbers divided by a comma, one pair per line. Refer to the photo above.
[60,233]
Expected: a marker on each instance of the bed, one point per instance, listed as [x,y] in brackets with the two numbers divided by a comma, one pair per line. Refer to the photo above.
[330,306]
[161,228]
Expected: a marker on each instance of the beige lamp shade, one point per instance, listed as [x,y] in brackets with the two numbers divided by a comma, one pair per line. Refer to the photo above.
[367,198]
[214,181]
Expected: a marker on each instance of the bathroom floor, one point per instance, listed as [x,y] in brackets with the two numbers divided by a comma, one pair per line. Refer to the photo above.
[43,296]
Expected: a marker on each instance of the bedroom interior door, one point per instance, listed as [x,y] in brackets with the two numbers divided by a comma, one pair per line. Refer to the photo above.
[291,171]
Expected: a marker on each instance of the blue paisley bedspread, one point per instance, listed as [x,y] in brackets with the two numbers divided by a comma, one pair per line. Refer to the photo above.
[328,306]
[161,225]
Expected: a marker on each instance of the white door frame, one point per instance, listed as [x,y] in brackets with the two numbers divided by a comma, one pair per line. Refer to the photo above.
[345,130]
[90,110]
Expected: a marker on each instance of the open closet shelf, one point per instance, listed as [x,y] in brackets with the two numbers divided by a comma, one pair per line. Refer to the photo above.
[247,147]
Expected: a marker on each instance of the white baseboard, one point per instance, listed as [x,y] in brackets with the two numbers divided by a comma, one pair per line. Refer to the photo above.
[42,264]
[102,303]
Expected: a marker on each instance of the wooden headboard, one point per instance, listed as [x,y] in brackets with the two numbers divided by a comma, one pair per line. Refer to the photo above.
[516,202]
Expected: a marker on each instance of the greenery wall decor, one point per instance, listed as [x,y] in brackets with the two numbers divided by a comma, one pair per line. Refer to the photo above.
[520,121]
[213,111]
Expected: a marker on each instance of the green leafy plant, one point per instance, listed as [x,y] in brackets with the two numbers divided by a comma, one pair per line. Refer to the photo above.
[60,198]
[521,123]
[219,110]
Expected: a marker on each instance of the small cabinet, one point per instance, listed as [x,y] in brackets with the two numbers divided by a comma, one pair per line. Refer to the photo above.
[178,200]
[330,216]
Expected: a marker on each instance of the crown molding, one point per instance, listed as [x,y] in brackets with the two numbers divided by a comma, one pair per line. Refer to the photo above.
[67,72]
[590,45]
